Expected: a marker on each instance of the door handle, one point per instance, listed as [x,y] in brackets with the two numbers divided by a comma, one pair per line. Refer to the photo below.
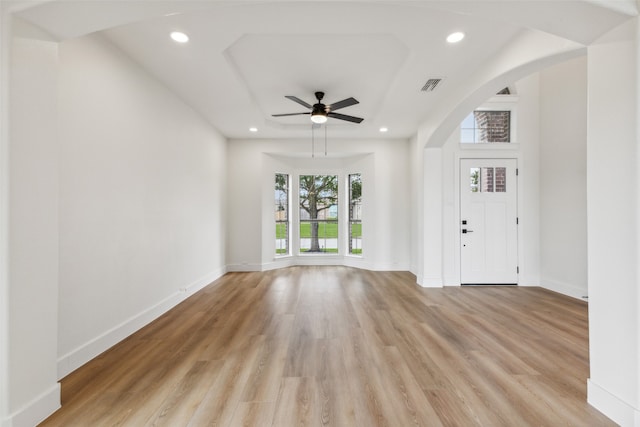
[465,231]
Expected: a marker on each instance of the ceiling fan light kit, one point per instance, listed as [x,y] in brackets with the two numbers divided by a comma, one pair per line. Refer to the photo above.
[318,116]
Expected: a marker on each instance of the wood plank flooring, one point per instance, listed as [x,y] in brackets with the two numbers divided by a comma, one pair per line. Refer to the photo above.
[335,346]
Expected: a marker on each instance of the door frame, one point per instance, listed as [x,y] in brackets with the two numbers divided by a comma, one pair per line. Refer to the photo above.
[506,151]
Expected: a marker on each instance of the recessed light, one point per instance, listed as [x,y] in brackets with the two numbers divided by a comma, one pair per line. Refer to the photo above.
[253,129]
[179,37]
[455,37]
[383,129]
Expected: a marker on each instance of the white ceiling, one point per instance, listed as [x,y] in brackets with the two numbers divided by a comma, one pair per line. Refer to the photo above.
[244,57]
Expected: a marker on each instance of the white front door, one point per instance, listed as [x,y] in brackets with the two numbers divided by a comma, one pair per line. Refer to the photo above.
[488,221]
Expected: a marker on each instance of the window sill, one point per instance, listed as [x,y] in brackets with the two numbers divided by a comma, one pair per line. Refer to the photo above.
[490,146]
[319,254]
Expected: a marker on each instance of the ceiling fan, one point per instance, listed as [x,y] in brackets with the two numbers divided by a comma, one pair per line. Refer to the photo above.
[320,112]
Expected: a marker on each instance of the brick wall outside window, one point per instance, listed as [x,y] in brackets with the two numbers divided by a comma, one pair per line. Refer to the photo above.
[493,126]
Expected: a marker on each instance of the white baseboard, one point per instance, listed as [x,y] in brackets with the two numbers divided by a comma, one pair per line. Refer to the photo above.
[528,280]
[414,270]
[430,282]
[204,281]
[244,267]
[394,266]
[357,262]
[318,260]
[84,353]
[37,410]
[564,288]
[290,261]
[618,411]
[283,262]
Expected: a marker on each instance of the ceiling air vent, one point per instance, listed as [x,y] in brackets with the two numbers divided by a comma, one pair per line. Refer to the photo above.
[431,84]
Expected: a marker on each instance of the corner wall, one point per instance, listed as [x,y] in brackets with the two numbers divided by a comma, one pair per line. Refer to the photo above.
[563,177]
[5,48]
[613,224]
[33,233]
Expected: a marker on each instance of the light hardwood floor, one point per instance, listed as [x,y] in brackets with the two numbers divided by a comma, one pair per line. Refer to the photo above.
[315,346]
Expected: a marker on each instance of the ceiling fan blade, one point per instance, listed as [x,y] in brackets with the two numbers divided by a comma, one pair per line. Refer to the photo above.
[341,104]
[345,117]
[299,101]
[290,114]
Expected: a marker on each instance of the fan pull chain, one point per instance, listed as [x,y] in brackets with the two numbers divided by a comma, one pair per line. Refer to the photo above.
[312,142]
[325,140]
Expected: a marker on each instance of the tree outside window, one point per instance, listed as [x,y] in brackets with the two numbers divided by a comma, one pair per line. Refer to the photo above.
[282,213]
[319,213]
[355,214]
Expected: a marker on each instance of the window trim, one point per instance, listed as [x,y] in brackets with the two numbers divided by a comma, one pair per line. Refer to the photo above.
[338,220]
[351,221]
[288,220]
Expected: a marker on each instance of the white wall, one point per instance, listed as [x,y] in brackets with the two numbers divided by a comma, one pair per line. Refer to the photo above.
[5,48]
[613,224]
[33,233]
[416,166]
[244,220]
[528,181]
[563,177]
[142,196]
[433,226]
[386,199]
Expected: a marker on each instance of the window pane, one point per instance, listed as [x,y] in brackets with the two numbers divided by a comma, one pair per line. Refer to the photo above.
[486,180]
[486,127]
[355,196]
[282,199]
[482,180]
[355,214]
[468,122]
[319,213]
[474,180]
[501,180]
[282,213]
[467,136]
[355,237]
[282,238]
[467,130]
[493,126]
[318,236]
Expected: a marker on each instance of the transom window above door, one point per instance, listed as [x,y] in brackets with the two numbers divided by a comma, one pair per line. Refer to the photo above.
[486,126]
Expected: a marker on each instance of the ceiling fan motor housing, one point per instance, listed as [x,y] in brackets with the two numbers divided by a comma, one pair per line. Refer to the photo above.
[319,109]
